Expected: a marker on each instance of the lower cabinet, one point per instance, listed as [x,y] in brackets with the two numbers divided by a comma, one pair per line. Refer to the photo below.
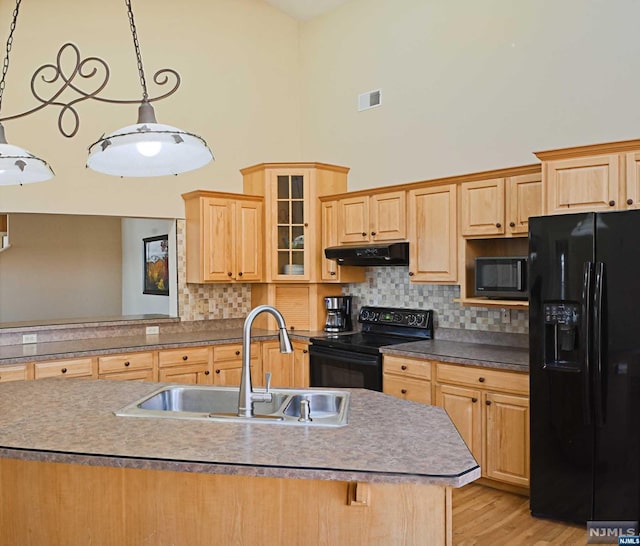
[407,378]
[75,367]
[127,367]
[186,365]
[287,370]
[17,372]
[490,409]
[227,364]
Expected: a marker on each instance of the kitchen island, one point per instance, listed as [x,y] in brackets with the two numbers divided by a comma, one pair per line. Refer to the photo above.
[71,472]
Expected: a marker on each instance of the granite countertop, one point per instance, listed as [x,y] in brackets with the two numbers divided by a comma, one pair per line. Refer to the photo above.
[387,440]
[456,352]
[73,348]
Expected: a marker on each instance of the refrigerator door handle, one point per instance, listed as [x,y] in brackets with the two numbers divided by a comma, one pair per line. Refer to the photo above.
[587,282]
[598,396]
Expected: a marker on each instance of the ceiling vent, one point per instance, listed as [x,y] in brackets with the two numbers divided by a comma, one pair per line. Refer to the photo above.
[370,99]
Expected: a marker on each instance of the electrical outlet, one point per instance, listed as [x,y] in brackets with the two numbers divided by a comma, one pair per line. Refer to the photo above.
[29,338]
[505,315]
[151,330]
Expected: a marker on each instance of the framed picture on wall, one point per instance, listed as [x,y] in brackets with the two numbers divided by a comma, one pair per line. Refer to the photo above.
[156,265]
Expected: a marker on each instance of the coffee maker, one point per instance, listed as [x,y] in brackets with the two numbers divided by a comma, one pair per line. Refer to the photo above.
[338,314]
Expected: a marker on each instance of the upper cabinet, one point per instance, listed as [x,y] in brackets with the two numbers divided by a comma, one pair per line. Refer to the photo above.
[592,178]
[224,237]
[501,206]
[292,215]
[433,234]
[372,217]
[330,270]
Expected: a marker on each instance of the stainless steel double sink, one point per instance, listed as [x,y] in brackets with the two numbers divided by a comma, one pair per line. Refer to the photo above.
[305,407]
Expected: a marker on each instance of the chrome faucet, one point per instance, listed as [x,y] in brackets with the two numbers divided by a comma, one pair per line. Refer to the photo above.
[247,397]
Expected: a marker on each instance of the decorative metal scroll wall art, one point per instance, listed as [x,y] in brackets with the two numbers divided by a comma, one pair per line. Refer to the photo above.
[146,148]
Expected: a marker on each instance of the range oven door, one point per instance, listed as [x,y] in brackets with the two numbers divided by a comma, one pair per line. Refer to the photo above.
[331,367]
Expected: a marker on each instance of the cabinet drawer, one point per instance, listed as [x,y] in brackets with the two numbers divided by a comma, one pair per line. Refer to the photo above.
[14,373]
[484,378]
[408,389]
[179,357]
[407,367]
[123,362]
[79,367]
[131,375]
[232,351]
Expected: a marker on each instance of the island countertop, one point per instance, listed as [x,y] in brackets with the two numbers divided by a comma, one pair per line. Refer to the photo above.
[387,440]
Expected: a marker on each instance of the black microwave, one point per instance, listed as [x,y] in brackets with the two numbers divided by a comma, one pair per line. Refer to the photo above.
[502,277]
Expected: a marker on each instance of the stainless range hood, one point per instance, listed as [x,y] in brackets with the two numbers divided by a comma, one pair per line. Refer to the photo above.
[377,255]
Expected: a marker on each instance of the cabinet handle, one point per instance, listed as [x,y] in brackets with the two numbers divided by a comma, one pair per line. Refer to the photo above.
[237,353]
[127,364]
[185,357]
[612,203]
[481,379]
[629,201]
[512,224]
[332,273]
[488,402]
[373,233]
[230,274]
[498,225]
[403,367]
[411,273]
[364,234]
[240,274]
[474,400]
[217,371]
[64,370]
[306,224]
[403,391]
[207,372]
[305,351]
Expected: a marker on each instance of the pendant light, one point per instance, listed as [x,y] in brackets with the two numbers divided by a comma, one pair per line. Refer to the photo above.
[17,165]
[147,148]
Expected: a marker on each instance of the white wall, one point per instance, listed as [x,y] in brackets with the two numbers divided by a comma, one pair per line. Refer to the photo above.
[238,60]
[467,85]
[60,267]
[134,302]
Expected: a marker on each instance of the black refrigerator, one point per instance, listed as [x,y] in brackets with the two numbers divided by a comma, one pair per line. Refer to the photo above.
[584,335]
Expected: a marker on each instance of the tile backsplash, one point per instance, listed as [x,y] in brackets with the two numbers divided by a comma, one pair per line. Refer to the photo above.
[388,286]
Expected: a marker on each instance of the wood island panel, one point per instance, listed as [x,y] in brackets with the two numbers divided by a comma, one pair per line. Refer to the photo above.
[56,504]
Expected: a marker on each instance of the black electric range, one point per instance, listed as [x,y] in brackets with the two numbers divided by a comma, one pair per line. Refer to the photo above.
[354,359]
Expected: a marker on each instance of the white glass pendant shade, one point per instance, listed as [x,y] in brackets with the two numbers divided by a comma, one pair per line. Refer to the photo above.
[148,148]
[18,166]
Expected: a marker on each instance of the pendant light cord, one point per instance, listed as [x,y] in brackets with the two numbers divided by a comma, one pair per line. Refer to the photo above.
[5,63]
[136,45]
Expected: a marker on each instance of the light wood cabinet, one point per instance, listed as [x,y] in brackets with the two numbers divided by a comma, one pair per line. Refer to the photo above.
[372,217]
[292,215]
[330,270]
[490,409]
[433,234]
[16,372]
[287,369]
[597,177]
[407,378]
[128,366]
[501,206]
[224,237]
[227,364]
[75,367]
[186,365]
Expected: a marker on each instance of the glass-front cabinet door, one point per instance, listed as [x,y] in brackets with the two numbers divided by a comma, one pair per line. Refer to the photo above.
[291,195]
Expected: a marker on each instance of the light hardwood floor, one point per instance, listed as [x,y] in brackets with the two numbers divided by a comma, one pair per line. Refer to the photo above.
[487,517]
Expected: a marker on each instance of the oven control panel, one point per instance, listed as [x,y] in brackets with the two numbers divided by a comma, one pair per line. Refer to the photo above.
[416,318]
